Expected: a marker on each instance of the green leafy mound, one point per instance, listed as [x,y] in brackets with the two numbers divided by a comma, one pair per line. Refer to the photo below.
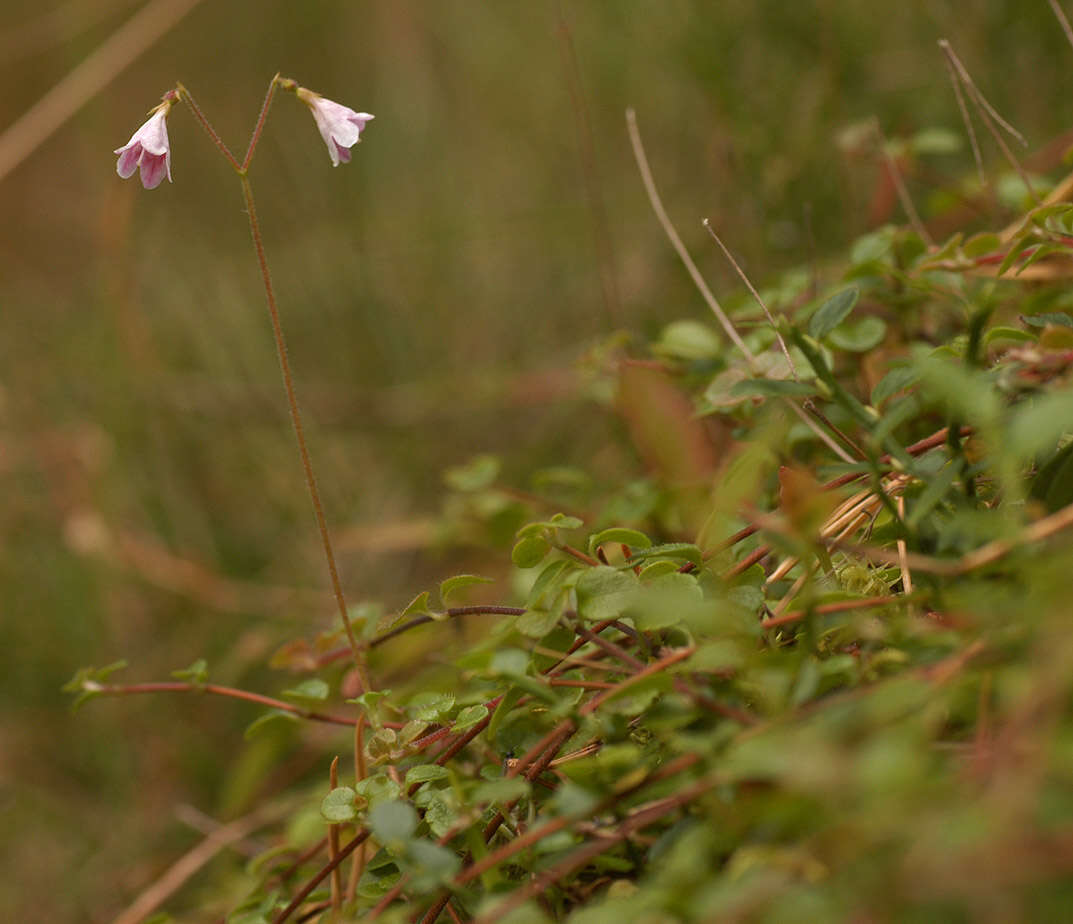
[816,665]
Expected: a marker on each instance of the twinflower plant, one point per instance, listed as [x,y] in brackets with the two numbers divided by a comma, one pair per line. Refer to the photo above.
[149,150]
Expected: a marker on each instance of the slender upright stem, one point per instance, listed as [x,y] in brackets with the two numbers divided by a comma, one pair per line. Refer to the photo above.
[209,130]
[296,420]
[258,128]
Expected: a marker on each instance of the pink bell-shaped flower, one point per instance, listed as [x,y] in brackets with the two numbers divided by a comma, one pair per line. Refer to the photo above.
[339,126]
[148,149]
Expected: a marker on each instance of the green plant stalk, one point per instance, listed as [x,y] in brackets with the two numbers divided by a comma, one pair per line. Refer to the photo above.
[281,352]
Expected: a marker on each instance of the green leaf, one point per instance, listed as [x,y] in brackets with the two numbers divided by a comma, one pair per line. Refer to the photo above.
[871,248]
[832,313]
[269,718]
[657,569]
[459,582]
[1061,319]
[1017,250]
[439,816]
[679,551]
[813,353]
[1006,333]
[1043,250]
[1053,486]
[549,582]
[469,716]
[88,682]
[536,623]
[508,702]
[478,473]
[558,521]
[105,672]
[431,865]
[313,690]
[689,340]
[859,336]
[1039,216]
[666,601]
[935,141]
[966,393]
[893,382]
[393,823]
[424,773]
[604,593]
[338,806]
[509,662]
[502,791]
[772,387]
[412,730]
[981,244]
[529,551]
[378,788]
[635,539]
[197,673]
[369,701]
[1035,425]
[430,705]
[419,606]
[935,490]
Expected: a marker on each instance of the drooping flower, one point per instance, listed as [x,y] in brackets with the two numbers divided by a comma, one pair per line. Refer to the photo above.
[339,126]
[148,149]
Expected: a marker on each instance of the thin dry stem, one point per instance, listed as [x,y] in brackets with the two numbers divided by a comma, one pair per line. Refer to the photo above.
[991,119]
[676,241]
[153,896]
[1062,20]
[756,295]
[698,280]
[977,154]
[841,606]
[907,577]
[303,893]
[977,96]
[985,555]
[895,174]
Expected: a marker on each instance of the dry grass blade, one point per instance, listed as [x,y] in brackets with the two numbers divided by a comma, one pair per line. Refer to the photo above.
[991,119]
[676,241]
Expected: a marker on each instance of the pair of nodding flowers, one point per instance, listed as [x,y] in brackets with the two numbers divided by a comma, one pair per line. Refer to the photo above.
[150,149]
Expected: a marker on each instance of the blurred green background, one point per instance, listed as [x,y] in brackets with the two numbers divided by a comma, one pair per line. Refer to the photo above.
[437,292]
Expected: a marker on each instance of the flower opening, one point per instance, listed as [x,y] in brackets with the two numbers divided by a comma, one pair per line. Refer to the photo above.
[148,149]
[339,126]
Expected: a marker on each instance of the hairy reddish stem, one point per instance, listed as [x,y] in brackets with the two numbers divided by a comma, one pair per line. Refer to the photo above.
[181,686]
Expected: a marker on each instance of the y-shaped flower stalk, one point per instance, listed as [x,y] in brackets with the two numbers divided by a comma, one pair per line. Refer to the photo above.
[341,128]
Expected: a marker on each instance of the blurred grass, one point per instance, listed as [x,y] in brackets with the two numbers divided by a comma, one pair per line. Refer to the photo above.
[434,290]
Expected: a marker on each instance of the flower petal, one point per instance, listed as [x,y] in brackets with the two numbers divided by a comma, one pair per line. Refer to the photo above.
[154,169]
[154,134]
[128,160]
